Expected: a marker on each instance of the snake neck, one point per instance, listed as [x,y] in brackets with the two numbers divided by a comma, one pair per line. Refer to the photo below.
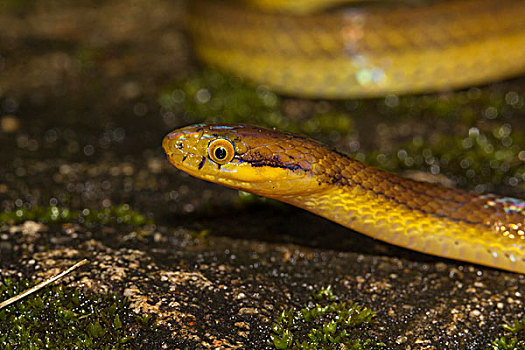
[452,223]
[355,195]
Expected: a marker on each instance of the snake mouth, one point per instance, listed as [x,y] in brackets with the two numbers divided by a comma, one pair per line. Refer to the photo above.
[179,155]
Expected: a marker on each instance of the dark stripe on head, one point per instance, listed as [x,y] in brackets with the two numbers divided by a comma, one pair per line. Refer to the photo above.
[273,163]
[201,164]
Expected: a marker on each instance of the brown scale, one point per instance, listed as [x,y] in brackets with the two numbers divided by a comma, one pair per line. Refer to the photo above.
[335,168]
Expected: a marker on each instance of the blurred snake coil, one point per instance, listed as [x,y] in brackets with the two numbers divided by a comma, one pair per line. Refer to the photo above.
[452,223]
[366,49]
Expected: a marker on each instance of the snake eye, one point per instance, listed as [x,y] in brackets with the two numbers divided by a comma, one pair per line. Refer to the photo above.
[221,151]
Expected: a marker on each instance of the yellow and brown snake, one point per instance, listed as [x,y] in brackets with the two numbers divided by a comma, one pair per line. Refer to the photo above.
[452,223]
[364,50]
[372,48]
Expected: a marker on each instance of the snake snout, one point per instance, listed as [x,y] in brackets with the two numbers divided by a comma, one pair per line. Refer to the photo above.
[174,142]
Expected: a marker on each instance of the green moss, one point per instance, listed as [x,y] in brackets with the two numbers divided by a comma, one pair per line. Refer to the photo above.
[121,214]
[514,338]
[57,317]
[476,157]
[213,97]
[328,324]
[474,136]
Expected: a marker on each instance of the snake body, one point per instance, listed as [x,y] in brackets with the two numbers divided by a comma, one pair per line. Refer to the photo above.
[368,50]
[452,223]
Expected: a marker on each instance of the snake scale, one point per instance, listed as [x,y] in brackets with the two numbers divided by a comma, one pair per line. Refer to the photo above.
[483,229]
[366,49]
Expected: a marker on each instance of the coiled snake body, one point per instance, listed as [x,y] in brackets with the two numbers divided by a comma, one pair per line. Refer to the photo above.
[452,223]
[367,50]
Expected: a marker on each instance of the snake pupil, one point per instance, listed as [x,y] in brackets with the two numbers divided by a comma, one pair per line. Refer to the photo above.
[220,153]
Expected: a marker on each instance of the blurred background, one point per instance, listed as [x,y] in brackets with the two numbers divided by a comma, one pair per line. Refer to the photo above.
[88,88]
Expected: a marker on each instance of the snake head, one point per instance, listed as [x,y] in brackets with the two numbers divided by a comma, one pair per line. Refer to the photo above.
[247,158]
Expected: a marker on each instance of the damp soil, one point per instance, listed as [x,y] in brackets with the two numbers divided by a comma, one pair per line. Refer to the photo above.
[81,127]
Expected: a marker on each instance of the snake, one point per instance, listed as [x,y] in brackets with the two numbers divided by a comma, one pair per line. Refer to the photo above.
[484,229]
[367,49]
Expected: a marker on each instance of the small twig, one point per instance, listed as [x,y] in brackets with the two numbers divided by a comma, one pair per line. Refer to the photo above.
[42,284]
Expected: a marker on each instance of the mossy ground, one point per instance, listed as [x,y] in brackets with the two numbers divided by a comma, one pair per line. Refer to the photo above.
[329,323]
[514,337]
[58,317]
